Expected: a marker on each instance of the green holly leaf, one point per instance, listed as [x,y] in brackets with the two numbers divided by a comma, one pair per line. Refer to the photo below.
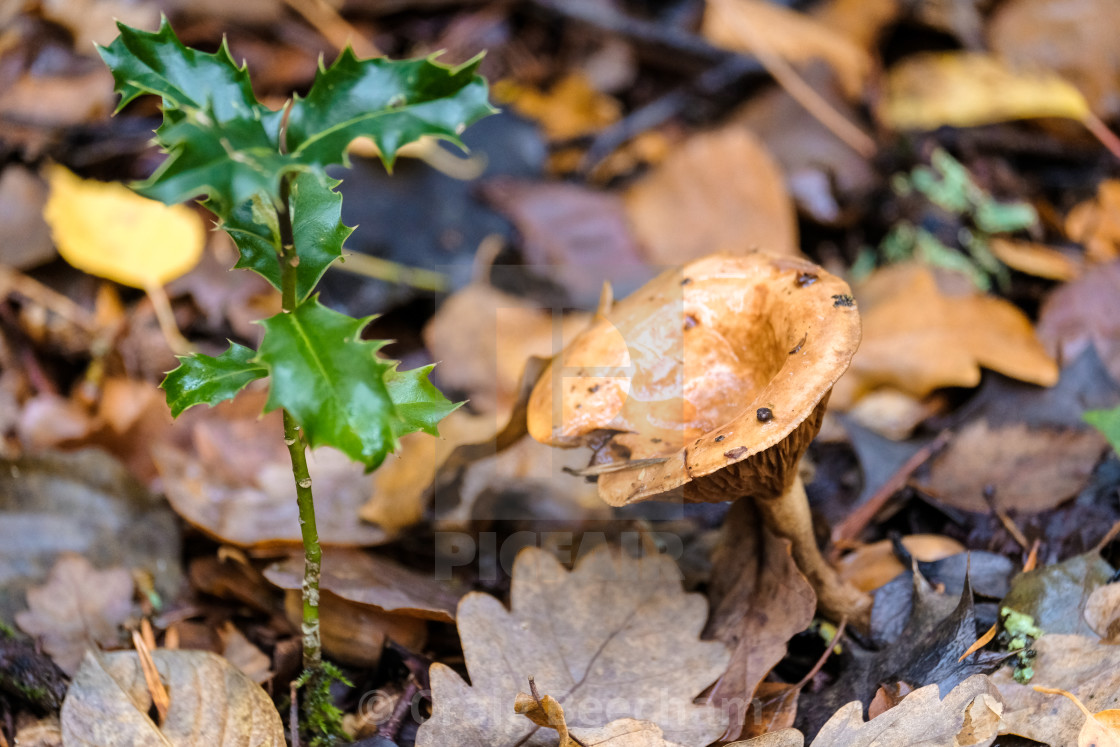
[203,379]
[394,102]
[316,226]
[220,141]
[330,380]
[420,406]
[1107,422]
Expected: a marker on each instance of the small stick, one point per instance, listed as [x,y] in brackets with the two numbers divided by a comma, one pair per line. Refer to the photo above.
[392,727]
[857,521]
[333,27]
[293,712]
[151,677]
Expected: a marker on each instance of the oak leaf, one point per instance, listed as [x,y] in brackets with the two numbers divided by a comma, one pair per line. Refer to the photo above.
[212,704]
[77,609]
[614,638]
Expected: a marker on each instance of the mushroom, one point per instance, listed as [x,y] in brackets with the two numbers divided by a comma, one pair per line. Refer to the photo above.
[709,383]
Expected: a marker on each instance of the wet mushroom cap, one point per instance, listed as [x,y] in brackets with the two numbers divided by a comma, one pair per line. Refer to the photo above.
[712,377]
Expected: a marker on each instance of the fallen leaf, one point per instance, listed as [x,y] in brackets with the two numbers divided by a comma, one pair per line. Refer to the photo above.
[109,231]
[1081,666]
[759,601]
[1102,612]
[570,108]
[373,581]
[212,704]
[232,478]
[1071,37]
[1055,596]
[966,89]
[578,235]
[917,339]
[796,37]
[24,234]
[241,653]
[721,191]
[1096,222]
[875,564]
[1035,259]
[86,503]
[58,100]
[922,717]
[1100,729]
[79,608]
[616,636]
[782,738]
[490,335]
[95,21]
[1026,470]
[1083,313]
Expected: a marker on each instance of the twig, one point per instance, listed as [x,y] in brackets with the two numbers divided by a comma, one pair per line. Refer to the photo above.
[293,712]
[151,677]
[391,728]
[857,521]
[392,272]
[824,657]
[789,79]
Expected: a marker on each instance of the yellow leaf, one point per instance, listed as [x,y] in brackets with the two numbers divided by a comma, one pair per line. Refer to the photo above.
[966,89]
[108,230]
[569,109]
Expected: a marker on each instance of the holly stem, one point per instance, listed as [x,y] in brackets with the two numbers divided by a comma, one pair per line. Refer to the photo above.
[297,449]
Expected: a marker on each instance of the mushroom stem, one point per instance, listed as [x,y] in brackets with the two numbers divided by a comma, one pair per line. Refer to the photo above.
[788,516]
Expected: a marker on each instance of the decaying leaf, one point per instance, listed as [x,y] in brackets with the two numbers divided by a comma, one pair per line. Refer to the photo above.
[1083,313]
[721,191]
[759,601]
[570,108]
[232,478]
[1036,259]
[212,704]
[1096,222]
[796,37]
[1021,469]
[875,564]
[110,231]
[966,89]
[490,335]
[1100,729]
[611,639]
[970,710]
[1081,666]
[1102,612]
[1055,596]
[79,608]
[1071,37]
[917,339]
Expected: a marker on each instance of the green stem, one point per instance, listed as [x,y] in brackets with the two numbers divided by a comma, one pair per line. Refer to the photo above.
[297,449]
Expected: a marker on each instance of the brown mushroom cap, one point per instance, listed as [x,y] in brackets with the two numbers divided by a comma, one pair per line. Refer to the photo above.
[713,377]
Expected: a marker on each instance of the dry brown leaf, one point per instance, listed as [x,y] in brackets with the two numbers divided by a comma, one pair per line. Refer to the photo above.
[625,732]
[1096,222]
[1028,469]
[967,89]
[616,635]
[373,581]
[570,108]
[1036,259]
[759,601]
[1074,38]
[234,480]
[922,718]
[796,37]
[782,738]
[1100,729]
[873,565]
[241,653]
[917,339]
[23,232]
[212,704]
[490,335]
[95,21]
[59,100]
[1079,665]
[1102,612]
[79,608]
[720,192]
[1082,313]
